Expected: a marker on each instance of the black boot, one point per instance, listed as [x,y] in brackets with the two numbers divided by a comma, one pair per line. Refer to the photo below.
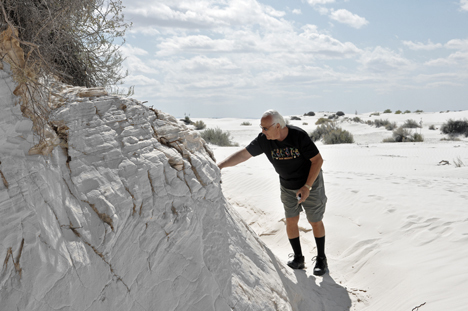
[297,262]
[320,265]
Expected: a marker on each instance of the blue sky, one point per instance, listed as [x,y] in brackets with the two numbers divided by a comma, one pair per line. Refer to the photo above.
[222,58]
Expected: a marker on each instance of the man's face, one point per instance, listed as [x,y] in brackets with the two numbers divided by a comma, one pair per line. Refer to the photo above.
[269,129]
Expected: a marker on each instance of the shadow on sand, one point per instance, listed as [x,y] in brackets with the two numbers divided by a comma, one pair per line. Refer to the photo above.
[308,292]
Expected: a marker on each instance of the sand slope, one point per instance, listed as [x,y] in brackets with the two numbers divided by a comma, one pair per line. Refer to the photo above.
[396,220]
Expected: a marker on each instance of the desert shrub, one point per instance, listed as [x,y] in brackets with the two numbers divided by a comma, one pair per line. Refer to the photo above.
[374,114]
[332,116]
[370,122]
[432,127]
[391,126]
[322,121]
[187,120]
[310,114]
[357,120]
[455,127]
[406,111]
[338,136]
[387,111]
[199,125]
[381,122]
[403,134]
[340,113]
[331,134]
[74,41]
[398,112]
[217,137]
[305,123]
[246,123]
[419,111]
[295,118]
[410,124]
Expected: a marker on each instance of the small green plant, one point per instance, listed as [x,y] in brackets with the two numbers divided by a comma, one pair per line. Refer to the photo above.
[381,122]
[398,112]
[187,120]
[406,111]
[374,114]
[357,120]
[322,121]
[391,126]
[370,122]
[217,137]
[246,123]
[419,111]
[199,125]
[387,111]
[411,124]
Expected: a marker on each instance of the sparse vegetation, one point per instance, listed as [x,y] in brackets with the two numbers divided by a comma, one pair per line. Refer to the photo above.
[455,127]
[398,112]
[217,137]
[387,111]
[391,126]
[305,123]
[340,113]
[374,114]
[323,121]
[419,111]
[310,114]
[187,120]
[403,134]
[411,124]
[406,111]
[295,118]
[357,120]
[432,127]
[199,125]
[246,123]
[332,134]
[458,162]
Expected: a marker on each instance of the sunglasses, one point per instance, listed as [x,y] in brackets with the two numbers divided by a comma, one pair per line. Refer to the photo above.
[267,128]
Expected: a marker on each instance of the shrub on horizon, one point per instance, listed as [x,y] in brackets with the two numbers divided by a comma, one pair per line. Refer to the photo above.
[387,111]
[323,121]
[199,125]
[374,114]
[411,124]
[407,111]
[310,114]
[419,111]
[246,123]
[398,112]
[295,118]
[340,113]
[217,137]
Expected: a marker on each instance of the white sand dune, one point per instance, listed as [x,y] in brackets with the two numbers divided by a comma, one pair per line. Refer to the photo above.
[396,220]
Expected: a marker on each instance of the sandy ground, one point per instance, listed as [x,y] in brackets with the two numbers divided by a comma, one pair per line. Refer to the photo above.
[396,219]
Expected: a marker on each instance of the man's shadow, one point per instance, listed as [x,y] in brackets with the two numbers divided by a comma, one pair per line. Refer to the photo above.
[306,294]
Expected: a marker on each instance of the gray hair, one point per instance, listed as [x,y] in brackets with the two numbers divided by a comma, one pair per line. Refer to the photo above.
[275,116]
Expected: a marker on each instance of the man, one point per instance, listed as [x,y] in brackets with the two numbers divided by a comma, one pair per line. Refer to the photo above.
[298,162]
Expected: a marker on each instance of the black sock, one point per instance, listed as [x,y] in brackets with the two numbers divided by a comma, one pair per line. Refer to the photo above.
[320,246]
[296,245]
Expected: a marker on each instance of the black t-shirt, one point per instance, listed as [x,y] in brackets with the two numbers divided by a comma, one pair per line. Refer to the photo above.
[290,157]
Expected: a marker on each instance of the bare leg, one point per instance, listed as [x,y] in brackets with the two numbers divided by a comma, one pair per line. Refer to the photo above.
[292,228]
[318,228]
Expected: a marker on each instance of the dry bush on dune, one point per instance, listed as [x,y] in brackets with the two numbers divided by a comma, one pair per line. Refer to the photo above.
[217,137]
[199,125]
[411,124]
[403,134]
[331,134]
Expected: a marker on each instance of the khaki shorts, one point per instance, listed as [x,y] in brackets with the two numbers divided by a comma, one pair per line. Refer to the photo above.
[314,205]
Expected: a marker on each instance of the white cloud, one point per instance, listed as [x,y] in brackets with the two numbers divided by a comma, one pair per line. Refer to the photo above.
[422,46]
[383,60]
[322,10]
[464,5]
[346,17]
[297,11]
[314,2]
[457,44]
[459,58]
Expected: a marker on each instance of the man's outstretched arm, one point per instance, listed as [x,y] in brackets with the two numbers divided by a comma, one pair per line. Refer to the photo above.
[235,158]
